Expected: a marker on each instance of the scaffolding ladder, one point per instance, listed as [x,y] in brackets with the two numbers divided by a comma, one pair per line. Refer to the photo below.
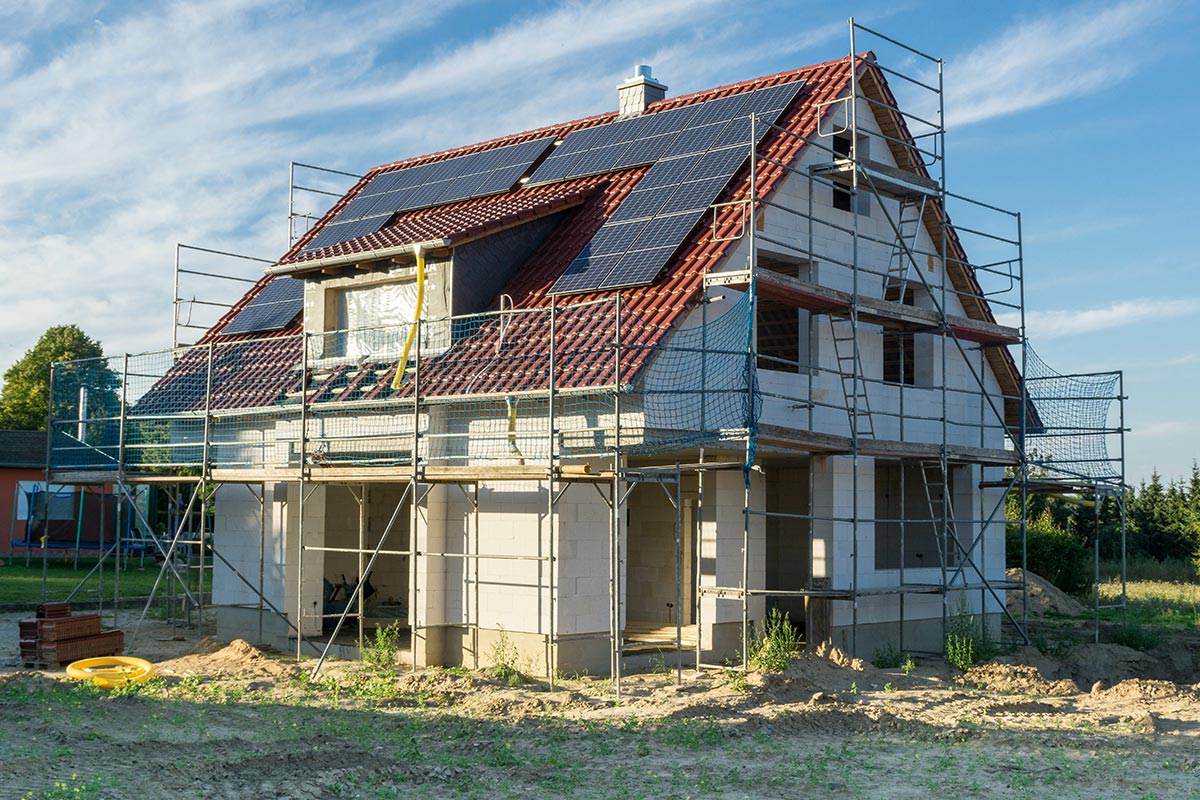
[936,484]
[851,374]
[909,220]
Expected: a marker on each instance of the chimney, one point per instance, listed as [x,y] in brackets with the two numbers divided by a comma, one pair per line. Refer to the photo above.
[635,93]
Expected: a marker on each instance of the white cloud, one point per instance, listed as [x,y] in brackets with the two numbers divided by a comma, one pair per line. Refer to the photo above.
[129,128]
[1064,54]
[1164,428]
[1069,322]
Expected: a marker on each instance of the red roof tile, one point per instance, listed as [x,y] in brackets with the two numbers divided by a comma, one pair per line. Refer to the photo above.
[465,219]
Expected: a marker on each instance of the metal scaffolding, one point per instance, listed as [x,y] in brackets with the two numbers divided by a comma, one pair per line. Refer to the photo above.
[894,276]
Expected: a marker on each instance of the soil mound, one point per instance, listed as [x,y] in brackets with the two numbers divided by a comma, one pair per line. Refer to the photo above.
[1016,679]
[1142,689]
[238,659]
[1109,663]
[825,668]
[1044,597]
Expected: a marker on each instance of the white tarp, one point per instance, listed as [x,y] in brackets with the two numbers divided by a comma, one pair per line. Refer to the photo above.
[376,319]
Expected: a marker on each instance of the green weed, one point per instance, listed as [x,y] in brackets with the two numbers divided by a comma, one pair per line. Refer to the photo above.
[887,657]
[776,645]
[967,641]
[1136,637]
[503,657]
[380,652]
[74,789]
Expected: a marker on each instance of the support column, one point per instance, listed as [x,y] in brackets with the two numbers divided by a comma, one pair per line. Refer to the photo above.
[722,532]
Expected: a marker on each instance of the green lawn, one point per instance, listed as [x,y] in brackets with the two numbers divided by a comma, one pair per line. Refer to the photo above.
[1157,603]
[22,584]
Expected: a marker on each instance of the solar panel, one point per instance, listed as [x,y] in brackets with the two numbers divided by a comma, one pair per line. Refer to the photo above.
[666,230]
[585,273]
[638,267]
[335,233]
[662,135]
[693,140]
[773,98]
[555,168]
[275,306]
[694,195]
[667,173]
[448,181]
[642,203]
[717,162]
[721,110]
[671,121]
[644,151]
[614,239]
[696,150]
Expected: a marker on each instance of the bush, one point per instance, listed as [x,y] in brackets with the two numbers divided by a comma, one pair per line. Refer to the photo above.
[1136,637]
[503,657]
[776,646]
[887,657]
[967,642]
[960,651]
[1052,553]
[380,652]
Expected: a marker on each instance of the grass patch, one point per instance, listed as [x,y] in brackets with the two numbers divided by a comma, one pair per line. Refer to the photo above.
[1137,637]
[1153,603]
[1149,569]
[22,584]
[73,789]
[344,747]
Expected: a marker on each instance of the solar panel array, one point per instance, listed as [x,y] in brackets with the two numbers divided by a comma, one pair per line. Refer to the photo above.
[474,175]
[275,306]
[694,159]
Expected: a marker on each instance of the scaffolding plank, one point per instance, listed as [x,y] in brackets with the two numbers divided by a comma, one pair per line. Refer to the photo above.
[887,180]
[887,313]
[816,442]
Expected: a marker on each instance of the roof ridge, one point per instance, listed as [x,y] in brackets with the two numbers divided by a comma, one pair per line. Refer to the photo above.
[594,119]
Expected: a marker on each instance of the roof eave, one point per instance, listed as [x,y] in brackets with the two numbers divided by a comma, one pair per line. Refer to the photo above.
[344,259]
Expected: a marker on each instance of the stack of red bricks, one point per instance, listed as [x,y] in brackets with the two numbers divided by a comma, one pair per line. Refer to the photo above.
[58,637]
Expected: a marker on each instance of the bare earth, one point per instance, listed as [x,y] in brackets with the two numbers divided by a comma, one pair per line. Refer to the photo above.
[229,721]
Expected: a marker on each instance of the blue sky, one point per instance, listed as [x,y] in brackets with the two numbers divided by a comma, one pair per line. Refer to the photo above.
[128,127]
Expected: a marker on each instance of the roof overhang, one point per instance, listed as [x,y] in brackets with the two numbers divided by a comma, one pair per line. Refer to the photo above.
[344,259]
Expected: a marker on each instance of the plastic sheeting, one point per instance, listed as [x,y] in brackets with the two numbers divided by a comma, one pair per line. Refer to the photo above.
[375,319]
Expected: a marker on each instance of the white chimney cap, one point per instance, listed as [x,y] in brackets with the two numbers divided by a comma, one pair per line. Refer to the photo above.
[636,93]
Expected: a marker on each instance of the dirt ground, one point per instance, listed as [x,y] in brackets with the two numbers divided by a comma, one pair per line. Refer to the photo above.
[230,721]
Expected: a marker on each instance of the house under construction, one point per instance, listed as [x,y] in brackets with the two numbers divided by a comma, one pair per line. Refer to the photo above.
[617,385]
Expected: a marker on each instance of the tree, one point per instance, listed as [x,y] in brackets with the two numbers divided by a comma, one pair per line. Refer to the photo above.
[1159,525]
[24,399]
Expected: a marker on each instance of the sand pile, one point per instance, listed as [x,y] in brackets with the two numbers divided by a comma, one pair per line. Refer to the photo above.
[238,659]
[1016,679]
[825,668]
[1143,689]
[1044,597]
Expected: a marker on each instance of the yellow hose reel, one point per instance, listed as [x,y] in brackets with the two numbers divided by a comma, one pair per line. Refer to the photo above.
[111,672]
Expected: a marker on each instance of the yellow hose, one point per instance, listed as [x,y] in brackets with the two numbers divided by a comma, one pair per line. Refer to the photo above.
[402,364]
[511,403]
